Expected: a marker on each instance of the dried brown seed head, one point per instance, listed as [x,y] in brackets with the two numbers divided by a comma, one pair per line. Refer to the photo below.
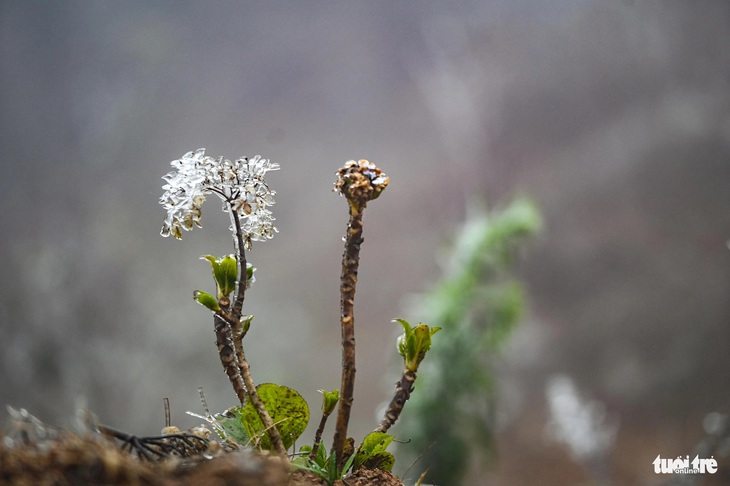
[360,181]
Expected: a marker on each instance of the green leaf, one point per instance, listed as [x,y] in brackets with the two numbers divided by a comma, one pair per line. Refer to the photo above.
[403,338]
[231,421]
[302,461]
[374,443]
[422,338]
[250,278]
[305,463]
[213,261]
[380,460]
[322,455]
[288,410]
[207,300]
[225,275]
[347,466]
[302,458]
[245,324]
[406,325]
[331,464]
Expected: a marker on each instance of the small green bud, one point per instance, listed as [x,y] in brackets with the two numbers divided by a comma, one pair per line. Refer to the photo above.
[225,273]
[329,401]
[414,343]
[207,300]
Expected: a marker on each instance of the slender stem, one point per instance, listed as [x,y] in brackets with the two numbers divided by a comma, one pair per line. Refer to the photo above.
[348,281]
[237,307]
[318,436]
[240,250]
[403,390]
[266,419]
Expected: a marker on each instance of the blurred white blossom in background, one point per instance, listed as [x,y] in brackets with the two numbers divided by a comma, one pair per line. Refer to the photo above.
[581,424]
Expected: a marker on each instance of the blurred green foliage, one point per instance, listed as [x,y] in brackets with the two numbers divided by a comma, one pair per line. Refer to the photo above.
[450,417]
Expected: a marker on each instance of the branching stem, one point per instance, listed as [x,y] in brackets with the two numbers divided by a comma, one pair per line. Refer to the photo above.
[229,333]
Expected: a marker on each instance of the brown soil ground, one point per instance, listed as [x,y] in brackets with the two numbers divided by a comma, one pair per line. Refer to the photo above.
[69,459]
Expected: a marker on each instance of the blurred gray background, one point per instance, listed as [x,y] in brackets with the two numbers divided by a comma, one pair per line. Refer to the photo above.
[614,116]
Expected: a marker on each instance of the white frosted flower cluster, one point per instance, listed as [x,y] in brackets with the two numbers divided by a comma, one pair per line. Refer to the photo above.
[240,184]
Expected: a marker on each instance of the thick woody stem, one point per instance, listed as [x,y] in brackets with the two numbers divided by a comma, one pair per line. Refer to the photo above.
[228,356]
[360,182]
[403,390]
[348,281]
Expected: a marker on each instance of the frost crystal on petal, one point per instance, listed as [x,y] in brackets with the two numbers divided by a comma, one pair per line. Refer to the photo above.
[240,184]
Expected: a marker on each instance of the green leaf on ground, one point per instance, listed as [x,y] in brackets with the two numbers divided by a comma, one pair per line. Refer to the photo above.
[231,421]
[288,410]
[373,447]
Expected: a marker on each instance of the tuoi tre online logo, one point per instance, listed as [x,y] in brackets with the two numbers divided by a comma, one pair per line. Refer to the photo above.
[685,466]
